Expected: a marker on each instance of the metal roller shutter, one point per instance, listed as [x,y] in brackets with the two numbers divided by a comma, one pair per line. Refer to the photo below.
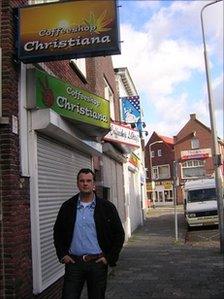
[58,166]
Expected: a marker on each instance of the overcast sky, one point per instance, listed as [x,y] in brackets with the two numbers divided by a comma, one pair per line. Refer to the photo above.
[163,51]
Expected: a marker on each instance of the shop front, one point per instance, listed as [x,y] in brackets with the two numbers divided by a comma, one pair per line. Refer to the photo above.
[160,193]
[63,123]
[122,174]
[164,193]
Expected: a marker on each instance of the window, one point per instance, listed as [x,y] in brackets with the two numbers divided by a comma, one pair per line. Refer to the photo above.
[152,154]
[108,94]
[195,143]
[155,173]
[193,169]
[80,65]
[202,195]
[161,172]
[168,195]
[159,153]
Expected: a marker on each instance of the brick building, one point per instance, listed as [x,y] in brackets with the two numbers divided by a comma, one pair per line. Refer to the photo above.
[193,152]
[41,152]
[159,157]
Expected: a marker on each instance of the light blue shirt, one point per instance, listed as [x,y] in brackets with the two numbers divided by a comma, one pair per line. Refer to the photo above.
[84,240]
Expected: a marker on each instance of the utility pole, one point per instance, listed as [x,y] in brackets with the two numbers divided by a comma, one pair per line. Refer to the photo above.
[175,184]
[215,146]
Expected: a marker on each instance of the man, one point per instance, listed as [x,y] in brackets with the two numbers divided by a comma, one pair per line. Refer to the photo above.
[88,236]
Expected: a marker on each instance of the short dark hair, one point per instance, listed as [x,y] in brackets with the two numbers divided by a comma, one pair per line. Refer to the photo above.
[86,170]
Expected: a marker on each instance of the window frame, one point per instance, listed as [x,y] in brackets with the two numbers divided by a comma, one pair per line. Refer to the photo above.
[195,144]
[155,169]
[80,66]
[109,95]
[192,164]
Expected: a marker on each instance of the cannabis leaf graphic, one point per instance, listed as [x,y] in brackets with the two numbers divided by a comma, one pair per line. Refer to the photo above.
[47,93]
[100,22]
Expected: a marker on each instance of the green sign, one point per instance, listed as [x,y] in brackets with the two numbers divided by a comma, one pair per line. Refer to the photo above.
[70,101]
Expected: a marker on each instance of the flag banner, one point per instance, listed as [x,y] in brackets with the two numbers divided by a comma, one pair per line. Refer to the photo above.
[130,109]
[131,112]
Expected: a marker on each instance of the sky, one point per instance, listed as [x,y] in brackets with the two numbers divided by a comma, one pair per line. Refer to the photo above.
[162,48]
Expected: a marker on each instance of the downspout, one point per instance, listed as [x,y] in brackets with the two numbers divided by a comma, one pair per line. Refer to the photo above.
[2,294]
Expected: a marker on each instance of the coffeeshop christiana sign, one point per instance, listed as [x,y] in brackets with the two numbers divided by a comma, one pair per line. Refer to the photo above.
[71,29]
[70,101]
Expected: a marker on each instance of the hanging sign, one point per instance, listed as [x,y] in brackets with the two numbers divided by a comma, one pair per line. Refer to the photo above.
[123,134]
[72,29]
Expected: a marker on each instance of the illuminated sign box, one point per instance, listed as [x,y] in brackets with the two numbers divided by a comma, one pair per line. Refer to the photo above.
[67,100]
[73,29]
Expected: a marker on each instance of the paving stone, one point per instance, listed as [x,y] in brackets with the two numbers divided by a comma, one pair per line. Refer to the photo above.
[154,265]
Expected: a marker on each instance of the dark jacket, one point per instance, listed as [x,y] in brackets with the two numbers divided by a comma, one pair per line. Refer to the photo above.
[110,232]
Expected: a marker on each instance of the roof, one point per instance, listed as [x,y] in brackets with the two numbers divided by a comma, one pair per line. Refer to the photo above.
[166,139]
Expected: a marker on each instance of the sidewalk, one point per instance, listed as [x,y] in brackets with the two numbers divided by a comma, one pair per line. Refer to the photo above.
[153,265]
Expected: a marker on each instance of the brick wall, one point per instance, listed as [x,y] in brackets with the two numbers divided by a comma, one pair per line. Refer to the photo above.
[101,67]
[15,239]
[183,142]
[16,278]
[166,158]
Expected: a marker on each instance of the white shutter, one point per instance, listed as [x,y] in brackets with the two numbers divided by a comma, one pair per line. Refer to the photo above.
[120,192]
[113,178]
[135,209]
[58,166]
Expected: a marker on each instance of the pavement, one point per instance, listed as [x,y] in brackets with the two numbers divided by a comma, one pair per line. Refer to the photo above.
[153,264]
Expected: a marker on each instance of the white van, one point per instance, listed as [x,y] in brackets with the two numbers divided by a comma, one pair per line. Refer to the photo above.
[200,204]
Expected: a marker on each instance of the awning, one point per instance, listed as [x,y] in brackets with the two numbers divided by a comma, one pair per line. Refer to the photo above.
[50,123]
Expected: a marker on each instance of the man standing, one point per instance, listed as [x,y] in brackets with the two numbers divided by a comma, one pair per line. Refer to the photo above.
[88,236]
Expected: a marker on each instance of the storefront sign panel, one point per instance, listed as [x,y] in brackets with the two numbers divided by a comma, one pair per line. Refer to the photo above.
[71,29]
[134,160]
[196,154]
[123,134]
[167,185]
[149,186]
[70,101]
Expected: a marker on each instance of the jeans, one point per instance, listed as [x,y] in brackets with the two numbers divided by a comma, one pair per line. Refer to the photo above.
[94,274]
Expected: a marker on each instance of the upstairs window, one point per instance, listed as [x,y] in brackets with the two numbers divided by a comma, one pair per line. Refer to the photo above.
[80,64]
[152,154]
[195,143]
[161,172]
[159,153]
[155,173]
[108,95]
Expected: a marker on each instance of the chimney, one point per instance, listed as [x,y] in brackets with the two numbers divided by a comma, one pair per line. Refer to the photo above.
[193,116]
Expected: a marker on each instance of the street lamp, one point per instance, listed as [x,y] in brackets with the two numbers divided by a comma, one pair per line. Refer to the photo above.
[151,172]
[215,148]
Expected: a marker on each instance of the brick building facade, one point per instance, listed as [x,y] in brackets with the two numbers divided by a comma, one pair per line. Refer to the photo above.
[22,218]
[191,148]
[193,152]
[159,157]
